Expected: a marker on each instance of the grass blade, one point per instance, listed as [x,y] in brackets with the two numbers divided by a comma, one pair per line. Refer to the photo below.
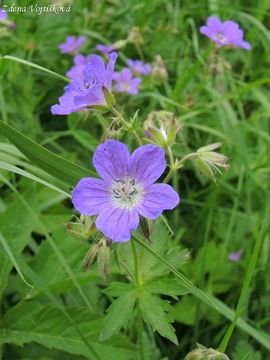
[12,259]
[35,66]
[55,165]
[19,171]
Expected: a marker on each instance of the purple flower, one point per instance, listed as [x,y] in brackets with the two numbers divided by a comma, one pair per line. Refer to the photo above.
[88,92]
[105,49]
[126,189]
[3,14]
[227,33]
[139,67]
[72,45]
[76,72]
[235,256]
[125,82]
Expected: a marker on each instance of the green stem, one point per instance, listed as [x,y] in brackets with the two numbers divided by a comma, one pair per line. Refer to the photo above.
[126,124]
[244,292]
[139,287]
[175,167]
[185,158]
[170,154]
[172,167]
[139,49]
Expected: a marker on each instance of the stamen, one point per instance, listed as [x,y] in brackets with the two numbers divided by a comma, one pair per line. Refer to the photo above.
[126,193]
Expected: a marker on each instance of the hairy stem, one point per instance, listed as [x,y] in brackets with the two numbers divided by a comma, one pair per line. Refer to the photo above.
[126,124]
[139,287]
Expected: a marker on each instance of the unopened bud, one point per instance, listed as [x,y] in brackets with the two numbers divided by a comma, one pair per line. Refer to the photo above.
[146,227]
[90,257]
[104,258]
[161,127]
[119,44]
[84,227]
[159,70]
[206,354]
[210,161]
[110,100]
[135,36]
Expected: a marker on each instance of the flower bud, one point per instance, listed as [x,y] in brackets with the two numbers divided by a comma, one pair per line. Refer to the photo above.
[119,44]
[146,227]
[161,127]
[90,257]
[104,258]
[135,36]
[210,161]
[206,354]
[110,100]
[84,227]
[159,70]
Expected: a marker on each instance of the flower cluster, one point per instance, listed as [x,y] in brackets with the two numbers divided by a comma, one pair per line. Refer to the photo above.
[88,86]
[227,33]
[126,189]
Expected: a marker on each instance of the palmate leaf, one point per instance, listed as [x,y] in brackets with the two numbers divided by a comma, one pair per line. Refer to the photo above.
[16,225]
[119,314]
[54,331]
[54,164]
[154,312]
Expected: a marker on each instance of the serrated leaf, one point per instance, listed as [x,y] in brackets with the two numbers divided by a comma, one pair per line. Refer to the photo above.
[153,312]
[117,289]
[165,286]
[54,164]
[16,225]
[54,331]
[119,314]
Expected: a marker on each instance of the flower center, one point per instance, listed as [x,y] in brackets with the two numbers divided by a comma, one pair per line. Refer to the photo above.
[126,193]
[220,36]
[126,86]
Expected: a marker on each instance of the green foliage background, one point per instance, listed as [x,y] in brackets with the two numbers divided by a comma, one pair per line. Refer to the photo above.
[75,315]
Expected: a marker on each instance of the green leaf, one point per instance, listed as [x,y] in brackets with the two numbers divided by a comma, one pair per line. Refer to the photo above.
[119,314]
[153,312]
[54,331]
[165,286]
[42,286]
[117,289]
[213,302]
[55,165]
[16,225]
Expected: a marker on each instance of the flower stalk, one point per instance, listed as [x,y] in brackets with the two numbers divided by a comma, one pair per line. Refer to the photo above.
[126,125]
[138,282]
